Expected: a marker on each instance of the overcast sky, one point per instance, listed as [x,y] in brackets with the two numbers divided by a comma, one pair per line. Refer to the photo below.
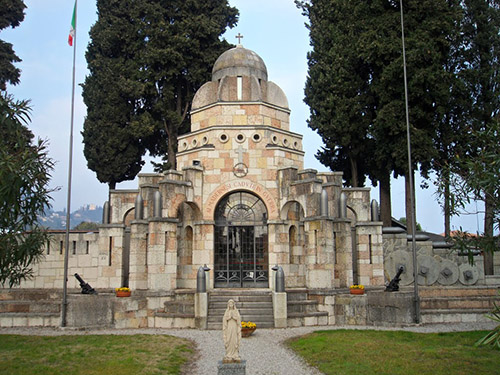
[272,28]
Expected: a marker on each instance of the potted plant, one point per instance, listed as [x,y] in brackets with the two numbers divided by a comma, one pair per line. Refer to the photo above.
[123,292]
[247,328]
[357,289]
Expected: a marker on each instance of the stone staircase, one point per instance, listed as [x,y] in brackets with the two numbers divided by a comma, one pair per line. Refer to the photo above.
[30,308]
[303,311]
[254,305]
[177,311]
[457,305]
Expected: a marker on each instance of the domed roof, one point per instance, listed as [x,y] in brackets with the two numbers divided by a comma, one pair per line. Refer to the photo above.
[239,61]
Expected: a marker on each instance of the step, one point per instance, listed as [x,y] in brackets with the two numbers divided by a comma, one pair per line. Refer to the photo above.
[30,307]
[478,291]
[296,294]
[218,326]
[245,314]
[238,291]
[307,314]
[454,311]
[453,316]
[237,299]
[254,305]
[302,307]
[30,295]
[249,310]
[240,305]
[30,320]
[181,307]
[457,303]
[246,318]
[173,315]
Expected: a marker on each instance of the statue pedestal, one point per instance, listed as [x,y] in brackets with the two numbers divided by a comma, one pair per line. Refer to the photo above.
[232,368]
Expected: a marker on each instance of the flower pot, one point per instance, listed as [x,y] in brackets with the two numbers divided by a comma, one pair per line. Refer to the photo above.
[123,293]
[357,291]
[245,332]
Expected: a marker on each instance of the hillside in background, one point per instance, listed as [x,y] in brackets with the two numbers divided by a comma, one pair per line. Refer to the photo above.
[57,219]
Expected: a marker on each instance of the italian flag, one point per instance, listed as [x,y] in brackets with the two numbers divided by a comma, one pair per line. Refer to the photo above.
[73,27]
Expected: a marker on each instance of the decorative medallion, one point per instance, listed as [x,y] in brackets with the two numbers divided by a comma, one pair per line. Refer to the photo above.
[240,170]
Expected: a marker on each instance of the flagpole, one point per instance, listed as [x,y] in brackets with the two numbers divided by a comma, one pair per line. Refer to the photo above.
[70,171]
[416,299]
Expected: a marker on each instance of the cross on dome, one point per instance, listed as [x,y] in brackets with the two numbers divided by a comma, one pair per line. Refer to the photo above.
[239,36]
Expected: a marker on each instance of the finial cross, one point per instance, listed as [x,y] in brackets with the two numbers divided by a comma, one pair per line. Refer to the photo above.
[239,36]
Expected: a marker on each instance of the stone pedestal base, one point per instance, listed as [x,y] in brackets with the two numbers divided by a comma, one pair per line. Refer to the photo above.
[232,368]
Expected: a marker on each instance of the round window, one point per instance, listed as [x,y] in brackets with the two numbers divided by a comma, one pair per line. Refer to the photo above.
[240,138]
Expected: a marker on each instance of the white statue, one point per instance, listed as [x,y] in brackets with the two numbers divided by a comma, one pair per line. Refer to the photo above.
[231,329]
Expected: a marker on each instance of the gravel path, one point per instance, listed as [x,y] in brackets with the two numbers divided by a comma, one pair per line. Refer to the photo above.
[264,351]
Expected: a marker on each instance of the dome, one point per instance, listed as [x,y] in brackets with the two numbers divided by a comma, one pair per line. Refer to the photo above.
[239,61]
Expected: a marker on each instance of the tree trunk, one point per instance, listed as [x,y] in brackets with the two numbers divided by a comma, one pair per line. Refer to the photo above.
[171,151]
[447,208]
[354,172]
[409,215]
[385,200]
[171,145]
[112,185]
[488,232]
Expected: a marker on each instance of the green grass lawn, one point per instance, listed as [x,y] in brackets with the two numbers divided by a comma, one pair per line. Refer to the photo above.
[390,352]
[93,354]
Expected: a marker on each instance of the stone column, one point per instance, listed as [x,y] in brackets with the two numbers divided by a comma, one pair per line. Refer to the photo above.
[280,310]
[320,254]
[138,278]
[370,253]
[203,249]
[278,248]
[201,310]
[162,266]
[343,253]
[110,244]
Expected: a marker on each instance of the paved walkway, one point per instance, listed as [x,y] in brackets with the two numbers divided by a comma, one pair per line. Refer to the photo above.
[264,351]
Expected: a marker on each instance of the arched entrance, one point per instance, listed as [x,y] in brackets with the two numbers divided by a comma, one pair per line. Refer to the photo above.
[241,242]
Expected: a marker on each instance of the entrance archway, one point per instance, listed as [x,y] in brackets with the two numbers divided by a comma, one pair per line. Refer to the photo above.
[241,242]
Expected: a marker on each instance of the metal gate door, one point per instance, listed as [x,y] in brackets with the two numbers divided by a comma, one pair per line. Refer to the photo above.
[241,259]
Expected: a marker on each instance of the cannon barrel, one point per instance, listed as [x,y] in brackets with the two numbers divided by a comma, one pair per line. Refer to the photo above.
[86,288]
[79,279]
[393,285]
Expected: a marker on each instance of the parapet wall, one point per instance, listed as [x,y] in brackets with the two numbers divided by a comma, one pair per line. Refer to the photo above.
[438,264]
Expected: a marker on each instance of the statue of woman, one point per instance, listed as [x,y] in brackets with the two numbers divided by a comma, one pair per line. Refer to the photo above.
[231,329]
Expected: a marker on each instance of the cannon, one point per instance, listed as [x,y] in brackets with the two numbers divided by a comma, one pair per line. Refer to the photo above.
[393,285]
[86,288]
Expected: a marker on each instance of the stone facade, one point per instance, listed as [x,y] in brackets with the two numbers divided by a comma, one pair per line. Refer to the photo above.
[241,202]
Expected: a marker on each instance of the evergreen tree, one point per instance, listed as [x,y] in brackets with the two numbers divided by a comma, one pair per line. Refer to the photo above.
[428,26]
[357,57]
[472,171]
[146,61]
[449,136]
[112,93]
[11,15]
[338,85]
[183,42]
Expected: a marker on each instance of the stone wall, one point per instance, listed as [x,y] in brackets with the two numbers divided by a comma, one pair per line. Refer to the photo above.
[87,257]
